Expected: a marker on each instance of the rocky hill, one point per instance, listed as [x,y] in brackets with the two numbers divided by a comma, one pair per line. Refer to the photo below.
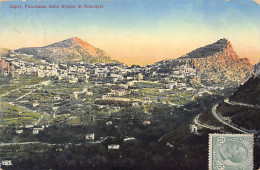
[69,51]
[243,108]
[215,64]
[249,92]
[209,50]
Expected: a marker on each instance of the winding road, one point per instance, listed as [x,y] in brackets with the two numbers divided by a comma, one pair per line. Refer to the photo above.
[220,119]
[240,104]
[215,114]
[196,122]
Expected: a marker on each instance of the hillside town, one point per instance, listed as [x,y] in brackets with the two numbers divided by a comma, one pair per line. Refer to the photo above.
[107,105]
[181,76]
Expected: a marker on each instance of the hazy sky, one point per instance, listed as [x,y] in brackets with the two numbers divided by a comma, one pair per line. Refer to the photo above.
[137,31]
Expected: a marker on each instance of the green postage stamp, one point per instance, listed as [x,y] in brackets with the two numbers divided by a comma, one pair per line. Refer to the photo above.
[231,151]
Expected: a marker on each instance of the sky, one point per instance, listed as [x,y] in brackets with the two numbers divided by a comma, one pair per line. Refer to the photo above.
[136,31]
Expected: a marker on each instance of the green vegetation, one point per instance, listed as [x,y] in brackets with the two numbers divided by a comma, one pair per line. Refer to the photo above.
[207,118]
[241,116]
[16,116]
[20,83]
[67,120]
[151,85]
[249,92]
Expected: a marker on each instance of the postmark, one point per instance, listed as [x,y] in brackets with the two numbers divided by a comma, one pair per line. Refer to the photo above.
[231,151]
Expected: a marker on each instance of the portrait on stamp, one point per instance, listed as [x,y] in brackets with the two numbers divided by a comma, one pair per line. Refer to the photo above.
[230,151]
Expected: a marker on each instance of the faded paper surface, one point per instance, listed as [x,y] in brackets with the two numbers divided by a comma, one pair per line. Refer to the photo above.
[99,84]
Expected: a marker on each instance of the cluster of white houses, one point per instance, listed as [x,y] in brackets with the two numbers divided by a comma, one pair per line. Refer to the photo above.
[35,130]
[82,71]
[74,72]
[117,73]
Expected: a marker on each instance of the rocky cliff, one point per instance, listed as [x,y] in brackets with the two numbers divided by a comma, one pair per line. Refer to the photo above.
[214,63]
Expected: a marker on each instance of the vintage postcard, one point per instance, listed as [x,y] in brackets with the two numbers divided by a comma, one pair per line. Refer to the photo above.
[129,84]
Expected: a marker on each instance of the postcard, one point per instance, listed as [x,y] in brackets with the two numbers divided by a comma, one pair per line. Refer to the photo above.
[130,84]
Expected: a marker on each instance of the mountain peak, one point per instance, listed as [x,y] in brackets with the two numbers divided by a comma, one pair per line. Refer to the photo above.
[211,49]
[69,50]
[73,41]
[215,63]
[75,38]
[223,41]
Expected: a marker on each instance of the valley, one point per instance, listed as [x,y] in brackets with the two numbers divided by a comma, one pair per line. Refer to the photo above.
[69,105]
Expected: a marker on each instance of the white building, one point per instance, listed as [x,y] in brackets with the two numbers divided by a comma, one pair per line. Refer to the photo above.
[56,98]
[113,147]
[89,93]
[7,162]
[171,85]
[146,122]
[41,74]
[128,139]
[189,89]
[135,104]
[90,136]
[193,128]
[36,130]
[35,104]
[139,77]
[28,126]
[19,131]
[109,122]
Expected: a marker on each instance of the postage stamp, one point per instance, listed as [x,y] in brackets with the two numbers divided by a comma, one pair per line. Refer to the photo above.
[231,151]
